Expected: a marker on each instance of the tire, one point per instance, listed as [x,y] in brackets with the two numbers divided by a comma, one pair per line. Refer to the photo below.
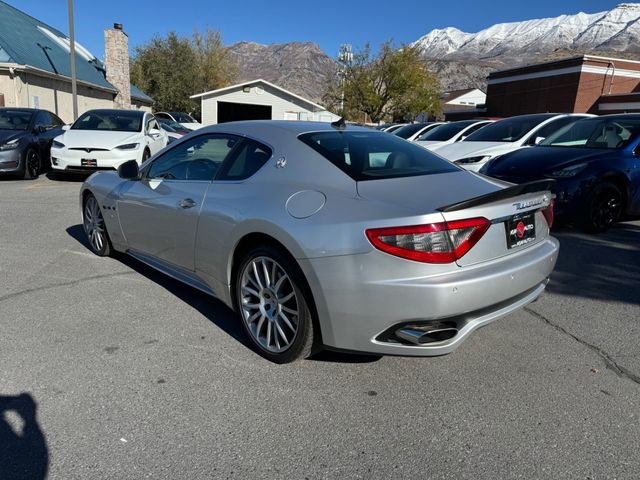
[95,227]
[32,165]
[272,299]
[602,209]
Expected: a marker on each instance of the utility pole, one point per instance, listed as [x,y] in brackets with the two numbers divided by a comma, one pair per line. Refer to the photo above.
[72,49]
[345,57]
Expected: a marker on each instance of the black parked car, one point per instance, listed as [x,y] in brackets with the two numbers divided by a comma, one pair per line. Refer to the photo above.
[596,165]
[26,135]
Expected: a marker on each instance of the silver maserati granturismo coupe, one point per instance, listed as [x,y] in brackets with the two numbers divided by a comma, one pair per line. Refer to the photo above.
[327,235]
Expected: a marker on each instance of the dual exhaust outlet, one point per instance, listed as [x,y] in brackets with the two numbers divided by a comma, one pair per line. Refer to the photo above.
[427,334]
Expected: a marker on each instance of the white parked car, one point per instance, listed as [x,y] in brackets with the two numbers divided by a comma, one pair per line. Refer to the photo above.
[448,133]
[183,118]
[505,136]
[104,139]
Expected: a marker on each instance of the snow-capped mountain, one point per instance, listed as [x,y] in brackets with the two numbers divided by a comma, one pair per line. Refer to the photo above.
[615,30]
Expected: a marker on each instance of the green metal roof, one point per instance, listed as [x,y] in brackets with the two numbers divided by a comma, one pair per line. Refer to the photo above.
[139,94]
[25,40]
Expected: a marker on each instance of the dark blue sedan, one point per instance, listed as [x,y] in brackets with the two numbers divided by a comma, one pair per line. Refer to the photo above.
[596,165]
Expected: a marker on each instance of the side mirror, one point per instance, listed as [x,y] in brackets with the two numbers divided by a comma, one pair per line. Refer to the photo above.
[66,127]
[39,129]
[461,138]
[538,140]
[154,131]
[129,170]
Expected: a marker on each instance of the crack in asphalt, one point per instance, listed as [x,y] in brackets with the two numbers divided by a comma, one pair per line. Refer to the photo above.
[62,284]
[609,361]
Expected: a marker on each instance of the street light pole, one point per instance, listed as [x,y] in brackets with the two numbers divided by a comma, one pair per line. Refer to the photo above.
[345,57]
[72,49]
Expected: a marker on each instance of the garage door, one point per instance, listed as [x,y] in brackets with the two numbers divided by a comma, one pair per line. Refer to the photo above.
[231,112]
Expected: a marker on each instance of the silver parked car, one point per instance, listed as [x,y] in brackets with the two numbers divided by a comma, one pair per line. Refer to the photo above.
[327,235]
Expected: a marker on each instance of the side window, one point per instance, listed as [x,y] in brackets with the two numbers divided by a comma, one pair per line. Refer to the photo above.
[199,159]
[57,122]
[551,128]
[44,120]
[246,160]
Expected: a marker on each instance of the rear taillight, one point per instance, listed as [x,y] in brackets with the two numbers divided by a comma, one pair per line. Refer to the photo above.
[443,242]
[548,214]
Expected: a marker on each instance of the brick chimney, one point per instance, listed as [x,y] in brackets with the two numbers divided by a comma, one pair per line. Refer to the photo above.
[116,63]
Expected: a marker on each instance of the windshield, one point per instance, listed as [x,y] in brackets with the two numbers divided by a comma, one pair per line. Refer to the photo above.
[508,130]
[118,121]
[408,130]
[595,133]
[15,119]
[375,155]
[444,132]
[182,117]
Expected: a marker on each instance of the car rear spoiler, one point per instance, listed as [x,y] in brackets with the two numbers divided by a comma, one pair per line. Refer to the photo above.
[516,190]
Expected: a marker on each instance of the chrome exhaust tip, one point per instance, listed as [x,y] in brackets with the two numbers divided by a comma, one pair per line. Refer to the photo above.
[426,335]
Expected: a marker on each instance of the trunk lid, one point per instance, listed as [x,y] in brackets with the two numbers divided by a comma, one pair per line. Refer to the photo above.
[517,221]
[463,195]
[425,193]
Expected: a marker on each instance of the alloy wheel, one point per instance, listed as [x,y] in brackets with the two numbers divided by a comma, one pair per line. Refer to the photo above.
[606,209]
[94,224]
[32,164]
[269,305]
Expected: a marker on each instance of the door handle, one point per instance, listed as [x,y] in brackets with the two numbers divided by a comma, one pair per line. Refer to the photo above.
[186,203]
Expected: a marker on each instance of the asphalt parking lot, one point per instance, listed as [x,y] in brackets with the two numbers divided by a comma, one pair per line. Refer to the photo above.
[132,375]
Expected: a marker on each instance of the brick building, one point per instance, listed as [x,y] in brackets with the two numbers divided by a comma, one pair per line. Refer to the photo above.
[582,84]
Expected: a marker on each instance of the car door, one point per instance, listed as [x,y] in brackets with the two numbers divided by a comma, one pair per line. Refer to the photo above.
[225,204]
[47,126]
[156,137]
[159,212]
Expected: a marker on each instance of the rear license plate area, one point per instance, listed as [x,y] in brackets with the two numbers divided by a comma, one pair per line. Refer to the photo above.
[521,229]
[89,162]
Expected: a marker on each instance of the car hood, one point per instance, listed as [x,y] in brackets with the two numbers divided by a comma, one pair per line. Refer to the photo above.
[8,135]
[464,149]
[531,162]
[425,193]
[97,138]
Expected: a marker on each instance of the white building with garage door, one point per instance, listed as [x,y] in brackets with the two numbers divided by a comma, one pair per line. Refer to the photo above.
[258,100]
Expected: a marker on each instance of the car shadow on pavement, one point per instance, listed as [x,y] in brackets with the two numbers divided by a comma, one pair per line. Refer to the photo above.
[214,310]
[23,447]
[600,266]
[67,177]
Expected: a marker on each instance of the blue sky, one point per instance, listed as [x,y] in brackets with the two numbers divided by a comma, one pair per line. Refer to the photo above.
[328,23]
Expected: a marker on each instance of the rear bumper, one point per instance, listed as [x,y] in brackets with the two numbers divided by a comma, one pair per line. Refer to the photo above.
[361,296]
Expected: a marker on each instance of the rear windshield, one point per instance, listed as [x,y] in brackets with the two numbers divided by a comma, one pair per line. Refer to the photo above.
[601,132]
[444,132]
[508,130]
[118,121]
[374,155]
